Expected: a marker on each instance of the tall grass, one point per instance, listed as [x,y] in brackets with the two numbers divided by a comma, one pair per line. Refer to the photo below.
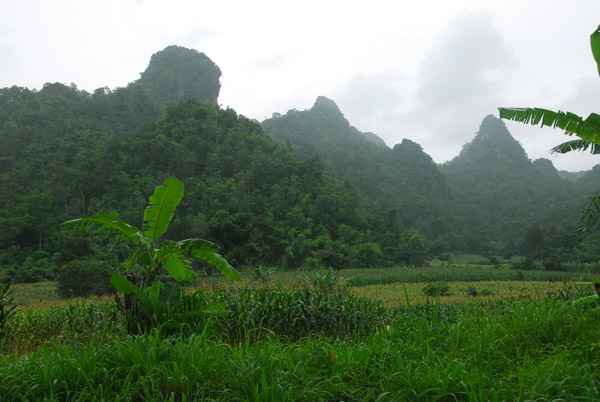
[542,349]
[77,323]
[294,314]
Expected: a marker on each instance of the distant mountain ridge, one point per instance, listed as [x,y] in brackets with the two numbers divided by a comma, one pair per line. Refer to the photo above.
[491,193]
[404,179]
[483,201]
[499,189]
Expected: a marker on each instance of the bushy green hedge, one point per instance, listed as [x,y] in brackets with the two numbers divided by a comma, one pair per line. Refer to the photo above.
[82,278]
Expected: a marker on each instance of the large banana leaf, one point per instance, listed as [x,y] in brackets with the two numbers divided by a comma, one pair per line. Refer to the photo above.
[595,42]
[590,214]
[219,262]
[197,244]
[178,267]
[588,129]
[576,145]
[170,256]
[207,251]
[162,206]
[124,285]
[108,223]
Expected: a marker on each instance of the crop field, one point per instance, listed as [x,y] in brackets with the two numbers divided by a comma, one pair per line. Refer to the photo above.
[472,334]
[391,285]
[400,294]
[44,295]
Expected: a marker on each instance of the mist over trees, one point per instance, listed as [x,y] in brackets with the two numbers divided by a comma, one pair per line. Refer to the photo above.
[304,189]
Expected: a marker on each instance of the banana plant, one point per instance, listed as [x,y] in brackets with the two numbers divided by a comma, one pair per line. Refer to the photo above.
[587,130]
[6,310]
[150,253]
[588,133]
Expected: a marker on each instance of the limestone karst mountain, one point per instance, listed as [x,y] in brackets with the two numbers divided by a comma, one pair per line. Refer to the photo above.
[176,73]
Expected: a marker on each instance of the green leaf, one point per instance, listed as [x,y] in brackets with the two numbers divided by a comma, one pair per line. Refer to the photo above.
[215,309]
[197,244]
[153,291]
[584,284]
[171,293]
[590,214]
[586,299]
[576,145]
[595,43]
[218,262]
[124,285]
[178,267]
[162,206]
[588,129]
[107,222]
[207,251]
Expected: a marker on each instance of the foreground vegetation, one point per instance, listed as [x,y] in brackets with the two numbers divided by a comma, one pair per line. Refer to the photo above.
[287,340]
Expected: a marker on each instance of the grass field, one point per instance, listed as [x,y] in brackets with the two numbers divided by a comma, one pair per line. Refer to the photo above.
[387,284]
[288,340]
[399,294]
[44,295]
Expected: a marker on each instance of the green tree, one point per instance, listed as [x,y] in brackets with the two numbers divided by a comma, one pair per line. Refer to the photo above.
[412,247]
[533,242]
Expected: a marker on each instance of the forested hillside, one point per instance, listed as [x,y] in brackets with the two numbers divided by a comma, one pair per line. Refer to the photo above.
[501,195]
[403,183]
[68,153]
[491,199]
[308,191]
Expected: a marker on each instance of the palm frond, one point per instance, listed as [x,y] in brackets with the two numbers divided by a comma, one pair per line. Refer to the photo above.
[197,244]
[595,42]
[179,267]
[588,129]
[108,224]
[590,214]
[219,262]
[576,145]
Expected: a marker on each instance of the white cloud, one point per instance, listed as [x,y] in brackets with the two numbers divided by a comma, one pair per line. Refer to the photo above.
[459,80]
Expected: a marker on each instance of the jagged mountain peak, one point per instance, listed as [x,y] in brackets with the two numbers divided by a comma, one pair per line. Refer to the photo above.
[409,157]
[409,150]
[408,146]
[327,109]
[492,125]
[323,102]
[494,143]
[545,164]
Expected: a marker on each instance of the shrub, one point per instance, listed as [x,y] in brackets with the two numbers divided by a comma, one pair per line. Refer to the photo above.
[552,263]
[81,278]
[437,289]
[526,264]
[471,291]
[32,270]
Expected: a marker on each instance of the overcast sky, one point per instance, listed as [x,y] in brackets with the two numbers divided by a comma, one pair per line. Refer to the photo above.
[428,70]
